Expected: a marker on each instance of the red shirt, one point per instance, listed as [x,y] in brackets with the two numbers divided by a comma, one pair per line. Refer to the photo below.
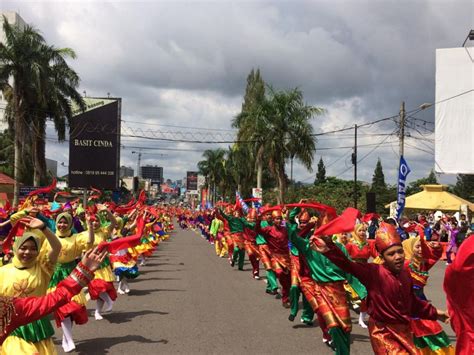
[361,254]
[459,288]
[277,238]
[390,296]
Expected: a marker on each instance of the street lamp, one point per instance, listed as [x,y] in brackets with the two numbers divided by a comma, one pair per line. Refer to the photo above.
[139,160]
[470,36]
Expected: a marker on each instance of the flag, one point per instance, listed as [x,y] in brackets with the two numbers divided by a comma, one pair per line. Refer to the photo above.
[240,202]
[403,172]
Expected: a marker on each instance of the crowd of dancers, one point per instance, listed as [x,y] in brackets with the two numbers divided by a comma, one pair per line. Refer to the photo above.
[41,269]
[378,267]
[57,258]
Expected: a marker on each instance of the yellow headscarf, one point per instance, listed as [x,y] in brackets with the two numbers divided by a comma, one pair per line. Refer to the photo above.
[355,234]
[19,241]
[408,246]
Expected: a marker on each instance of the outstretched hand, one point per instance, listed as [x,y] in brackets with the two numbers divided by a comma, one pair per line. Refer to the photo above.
[32,223]
[443,316]
[93,258]
[319,243]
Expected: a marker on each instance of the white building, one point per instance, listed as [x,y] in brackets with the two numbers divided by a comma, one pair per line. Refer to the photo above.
[14,19]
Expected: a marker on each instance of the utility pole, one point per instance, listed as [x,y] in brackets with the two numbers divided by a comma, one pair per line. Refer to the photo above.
[402,129]
[354,161]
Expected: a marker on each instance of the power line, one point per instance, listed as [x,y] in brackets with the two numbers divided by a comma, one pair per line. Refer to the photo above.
[186,127]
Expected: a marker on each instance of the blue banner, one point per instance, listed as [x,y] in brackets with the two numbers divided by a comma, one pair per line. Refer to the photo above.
[403,172]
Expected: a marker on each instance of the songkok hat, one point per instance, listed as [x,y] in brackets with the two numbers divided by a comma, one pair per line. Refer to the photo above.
[385,237]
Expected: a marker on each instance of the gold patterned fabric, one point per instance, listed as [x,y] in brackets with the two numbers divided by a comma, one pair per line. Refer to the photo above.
[392,339]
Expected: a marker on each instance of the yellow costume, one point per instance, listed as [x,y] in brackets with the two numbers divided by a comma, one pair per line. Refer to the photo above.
[21,280]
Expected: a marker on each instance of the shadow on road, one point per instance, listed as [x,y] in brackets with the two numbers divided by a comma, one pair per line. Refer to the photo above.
[157,279]
[123,317]
[147,292]
[360,338]
[102,345]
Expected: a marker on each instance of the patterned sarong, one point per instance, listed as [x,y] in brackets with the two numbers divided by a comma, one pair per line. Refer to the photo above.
[239,240]
[333,305]
[265,256]
[281,263]
[310,289]
[295,270]
[391,338]
[252,249]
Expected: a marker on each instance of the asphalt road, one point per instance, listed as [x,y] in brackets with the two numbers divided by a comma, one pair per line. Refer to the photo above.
[188,301]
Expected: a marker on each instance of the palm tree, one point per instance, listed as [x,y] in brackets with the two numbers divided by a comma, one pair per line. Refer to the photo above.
[279,129]
[60,88]
[31,76]
[212,167]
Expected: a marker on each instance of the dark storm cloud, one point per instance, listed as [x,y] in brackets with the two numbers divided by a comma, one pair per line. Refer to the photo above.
[186,62]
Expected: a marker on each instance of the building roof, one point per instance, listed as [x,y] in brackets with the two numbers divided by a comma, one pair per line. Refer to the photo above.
[436,197]
[6,180]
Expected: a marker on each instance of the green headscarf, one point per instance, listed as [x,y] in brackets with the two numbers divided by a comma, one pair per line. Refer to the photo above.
[68,218]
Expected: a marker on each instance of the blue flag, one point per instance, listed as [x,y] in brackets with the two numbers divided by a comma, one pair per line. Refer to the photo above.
[403,172]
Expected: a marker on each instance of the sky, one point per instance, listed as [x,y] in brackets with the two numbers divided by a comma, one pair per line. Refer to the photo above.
[181,67]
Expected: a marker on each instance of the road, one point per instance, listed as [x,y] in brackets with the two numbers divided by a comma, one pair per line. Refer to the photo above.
[188,301]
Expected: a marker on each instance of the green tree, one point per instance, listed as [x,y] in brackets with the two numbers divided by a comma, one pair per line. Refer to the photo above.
[321,174]
[279,129]
[246,123]
[465,186]
[212,167]
[30,77]
[378,179]
[383,195]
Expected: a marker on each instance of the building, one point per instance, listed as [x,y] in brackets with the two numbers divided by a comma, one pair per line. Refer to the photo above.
[126,171]
[52,167]
[14,19]
[154,173]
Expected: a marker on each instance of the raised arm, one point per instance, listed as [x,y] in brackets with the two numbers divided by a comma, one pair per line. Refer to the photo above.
[325,246]
[35,223]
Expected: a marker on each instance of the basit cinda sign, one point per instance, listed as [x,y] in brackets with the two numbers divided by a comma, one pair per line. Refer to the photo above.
[94,144]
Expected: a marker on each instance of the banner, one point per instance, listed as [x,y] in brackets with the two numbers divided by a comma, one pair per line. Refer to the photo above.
[403,172]
[192,181]
[94,144]
[257,193]
[454,111]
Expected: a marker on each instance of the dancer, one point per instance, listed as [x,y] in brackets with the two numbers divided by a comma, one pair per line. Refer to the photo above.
[72,247]
[420,257]
[325,291]
[391,301]
[265,257]
[102,289]
[360,250]
[459,288]
[297,272]
[277,239]
[29,275]
[16,312]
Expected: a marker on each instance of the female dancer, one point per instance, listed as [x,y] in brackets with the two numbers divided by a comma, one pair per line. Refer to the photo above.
[72,247]
[29,275]
[102,289]
[421,256]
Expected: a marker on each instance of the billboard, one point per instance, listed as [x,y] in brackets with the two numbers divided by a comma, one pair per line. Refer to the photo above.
[454,111]
[94,144]
[192,181]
